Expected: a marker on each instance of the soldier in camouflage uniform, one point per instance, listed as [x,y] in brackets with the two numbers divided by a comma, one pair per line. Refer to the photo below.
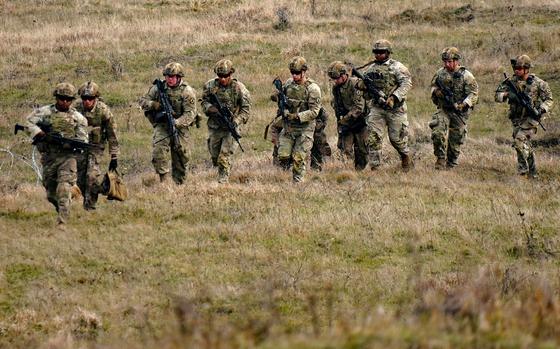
[349,105]
[393,79]
[304,105]
[183,101]
[59,161]
[449,123]
[233,95]
[102,129]
[524,124]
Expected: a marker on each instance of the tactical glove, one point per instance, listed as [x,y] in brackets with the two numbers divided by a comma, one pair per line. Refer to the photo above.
[390,102]
[212,110]
[113,165]
[274,97]
[293,116]
[438,93]
[156,105]
[462,106]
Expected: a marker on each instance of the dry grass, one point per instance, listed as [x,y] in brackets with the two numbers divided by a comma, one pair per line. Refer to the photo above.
[454,259]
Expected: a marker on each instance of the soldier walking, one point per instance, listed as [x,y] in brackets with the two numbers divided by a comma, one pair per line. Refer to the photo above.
[349,106]
[58,158]
[455,92]
[529,98]
[304,105]
[388,107]
[233,95]
[182,99]
[102,130]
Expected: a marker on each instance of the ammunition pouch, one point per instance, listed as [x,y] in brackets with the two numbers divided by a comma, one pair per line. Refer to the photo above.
[113,186]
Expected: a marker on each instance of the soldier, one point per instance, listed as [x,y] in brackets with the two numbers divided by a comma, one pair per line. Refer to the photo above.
[234,96]
[454,92]
[393,80]
[349,106]
[525,119]
[182,98]
[304,104]
[58,160]
[102,129]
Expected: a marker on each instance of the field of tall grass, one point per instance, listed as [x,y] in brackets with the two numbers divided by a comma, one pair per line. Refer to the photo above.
[466,258]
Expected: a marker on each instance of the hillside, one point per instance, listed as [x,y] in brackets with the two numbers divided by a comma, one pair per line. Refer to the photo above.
[466,258]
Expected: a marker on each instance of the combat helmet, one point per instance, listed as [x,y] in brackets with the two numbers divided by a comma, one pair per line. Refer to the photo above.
[224,67]
[64,89]
[89,89]
[174,68]
[336,69]
[451,54]
[382,45]
[298,64]
[522,61]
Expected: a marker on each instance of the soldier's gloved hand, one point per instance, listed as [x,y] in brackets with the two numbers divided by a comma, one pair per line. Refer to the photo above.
[293,116]
[462,106]
[66,146]
[438,93]
[156,105]
[40,137]
[113,165]
[212,110]
[344,121]
[274,97]
[390,102]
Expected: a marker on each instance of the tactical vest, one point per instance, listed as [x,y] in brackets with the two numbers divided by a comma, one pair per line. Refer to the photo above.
[176,98]
[229,95]
[383,76]
[97,122]
[297,96]
[62,122]
[455,82]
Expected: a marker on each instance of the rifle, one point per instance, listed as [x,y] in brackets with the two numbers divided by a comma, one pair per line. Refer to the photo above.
[339,110]
[282,104]
[525,101]
[379,97]
[57,139]
[168,113]
[226,118]
[448,101]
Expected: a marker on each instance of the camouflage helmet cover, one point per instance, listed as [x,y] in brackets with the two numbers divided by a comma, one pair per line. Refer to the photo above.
[89,89]
[224,67]
[64,89]
[174,68]
[451,54]
[382,45]
[297,64]
[336,69]
[522,61]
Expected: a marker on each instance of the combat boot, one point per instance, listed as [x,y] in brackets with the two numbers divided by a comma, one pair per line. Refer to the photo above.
[440,164]
[406,162]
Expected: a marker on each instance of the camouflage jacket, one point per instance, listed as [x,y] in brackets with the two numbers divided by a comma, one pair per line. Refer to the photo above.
[234,96]
[304,99]
[348,101]
[70,124]
[183,102]
[391,77]
[102,126]
[534,87]
[461,83]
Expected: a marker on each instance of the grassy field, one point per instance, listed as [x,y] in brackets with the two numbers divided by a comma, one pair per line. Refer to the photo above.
[466,258]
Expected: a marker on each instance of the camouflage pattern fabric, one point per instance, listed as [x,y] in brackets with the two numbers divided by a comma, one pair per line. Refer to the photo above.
[183,101]
[392,78]
[352,130]
[221,144]
[321,147]
[102,130]
[59,165]
[449,128]
[524,127]
[296,138]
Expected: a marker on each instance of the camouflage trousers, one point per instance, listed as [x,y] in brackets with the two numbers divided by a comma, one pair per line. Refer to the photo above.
[59,176]
[522,134]
[221,146]
[275,129]
[396,123]
[90,178]
[320,148]
[162,150]
[295,146]
[352,144]
[448,134]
